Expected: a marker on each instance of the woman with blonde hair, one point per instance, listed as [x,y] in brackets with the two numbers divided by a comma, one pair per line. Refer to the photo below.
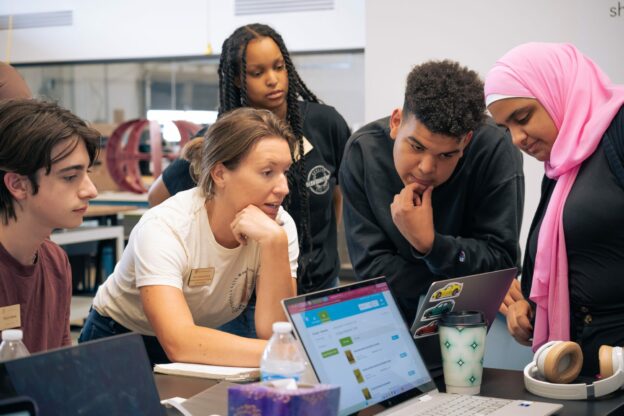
[193,262]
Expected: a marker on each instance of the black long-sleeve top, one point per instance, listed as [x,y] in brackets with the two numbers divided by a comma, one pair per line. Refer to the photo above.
[477,212]
[593,224]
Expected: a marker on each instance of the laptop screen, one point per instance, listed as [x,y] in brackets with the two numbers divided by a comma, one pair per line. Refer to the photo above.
[355,337]
[103,377]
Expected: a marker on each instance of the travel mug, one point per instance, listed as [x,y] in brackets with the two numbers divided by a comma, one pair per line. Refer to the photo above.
[462,341]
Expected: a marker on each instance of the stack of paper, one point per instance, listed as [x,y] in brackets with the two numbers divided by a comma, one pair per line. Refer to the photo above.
[209,371]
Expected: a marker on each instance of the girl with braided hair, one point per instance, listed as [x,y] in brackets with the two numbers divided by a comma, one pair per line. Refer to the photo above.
[256,70]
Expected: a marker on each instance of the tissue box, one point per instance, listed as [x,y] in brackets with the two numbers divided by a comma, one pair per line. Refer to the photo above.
[262,399]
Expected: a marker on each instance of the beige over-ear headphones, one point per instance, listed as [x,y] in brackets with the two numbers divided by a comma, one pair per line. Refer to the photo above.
[558,362]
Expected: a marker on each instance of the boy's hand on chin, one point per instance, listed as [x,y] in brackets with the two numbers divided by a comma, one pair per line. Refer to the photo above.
[412,213]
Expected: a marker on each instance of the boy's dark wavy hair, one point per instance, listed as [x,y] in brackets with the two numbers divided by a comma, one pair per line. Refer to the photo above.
[29,132]
[446,97]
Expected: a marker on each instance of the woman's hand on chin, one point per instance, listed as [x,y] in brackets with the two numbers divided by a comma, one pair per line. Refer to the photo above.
[252,223]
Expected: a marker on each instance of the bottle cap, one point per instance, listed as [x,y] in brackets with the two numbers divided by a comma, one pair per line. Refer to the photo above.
[463,318]
[12,335]
[282,327]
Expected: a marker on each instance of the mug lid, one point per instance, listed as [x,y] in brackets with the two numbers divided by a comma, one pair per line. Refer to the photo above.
[463,318]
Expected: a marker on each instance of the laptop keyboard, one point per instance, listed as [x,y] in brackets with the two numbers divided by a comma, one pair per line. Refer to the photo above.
[464,405]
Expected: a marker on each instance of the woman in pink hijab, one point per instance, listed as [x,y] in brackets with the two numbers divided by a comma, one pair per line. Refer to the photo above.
[561,109]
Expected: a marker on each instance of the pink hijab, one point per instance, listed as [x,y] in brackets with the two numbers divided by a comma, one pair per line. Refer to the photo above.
[582,102]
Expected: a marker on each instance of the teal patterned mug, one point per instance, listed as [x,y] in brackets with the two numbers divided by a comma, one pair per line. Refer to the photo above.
[462,341]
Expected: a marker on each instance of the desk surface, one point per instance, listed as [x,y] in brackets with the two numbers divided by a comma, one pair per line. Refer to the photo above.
[510,385]
[180,386]
[120,198]
[497,383]
[106,210]
[84,234]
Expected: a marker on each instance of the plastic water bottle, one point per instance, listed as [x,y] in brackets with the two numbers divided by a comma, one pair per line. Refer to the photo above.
[12,346]
[282,358]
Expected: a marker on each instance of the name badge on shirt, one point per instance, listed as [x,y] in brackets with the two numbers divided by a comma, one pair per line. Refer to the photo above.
[10,317]
[307,148]
[201,277]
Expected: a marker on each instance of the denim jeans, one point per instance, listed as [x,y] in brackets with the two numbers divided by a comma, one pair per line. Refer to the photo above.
[97,326]
[243,325]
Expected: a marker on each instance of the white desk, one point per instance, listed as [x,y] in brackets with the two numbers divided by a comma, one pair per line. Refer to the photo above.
[120,198]
[86,234]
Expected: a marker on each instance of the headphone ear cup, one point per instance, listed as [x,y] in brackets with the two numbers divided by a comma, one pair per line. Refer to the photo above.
[605,357]
[564,354]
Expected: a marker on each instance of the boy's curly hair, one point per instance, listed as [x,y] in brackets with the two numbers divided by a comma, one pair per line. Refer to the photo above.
[446,97]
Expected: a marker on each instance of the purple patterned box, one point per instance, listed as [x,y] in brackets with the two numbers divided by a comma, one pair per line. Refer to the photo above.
[260,399]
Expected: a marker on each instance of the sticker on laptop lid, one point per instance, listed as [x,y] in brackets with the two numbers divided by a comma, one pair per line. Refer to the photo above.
[450,290]
[437,310]
[430,328]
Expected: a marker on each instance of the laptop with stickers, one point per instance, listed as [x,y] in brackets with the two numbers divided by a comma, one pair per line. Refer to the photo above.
[355,337]
[481,292]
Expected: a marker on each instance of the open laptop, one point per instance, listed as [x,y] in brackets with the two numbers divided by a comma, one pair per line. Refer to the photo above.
[482,292]
[355,337]
[109,376]
[18,406]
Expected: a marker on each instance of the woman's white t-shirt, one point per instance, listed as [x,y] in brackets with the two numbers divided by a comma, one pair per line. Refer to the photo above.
[173,245]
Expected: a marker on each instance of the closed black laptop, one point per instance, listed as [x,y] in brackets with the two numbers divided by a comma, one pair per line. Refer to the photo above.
[18,406]
[110,376]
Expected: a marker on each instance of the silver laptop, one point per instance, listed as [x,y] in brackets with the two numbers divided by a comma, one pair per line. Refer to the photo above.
[481,292]
[355,337]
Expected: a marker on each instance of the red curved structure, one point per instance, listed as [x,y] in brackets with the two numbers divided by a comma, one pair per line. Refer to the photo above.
[123,154]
